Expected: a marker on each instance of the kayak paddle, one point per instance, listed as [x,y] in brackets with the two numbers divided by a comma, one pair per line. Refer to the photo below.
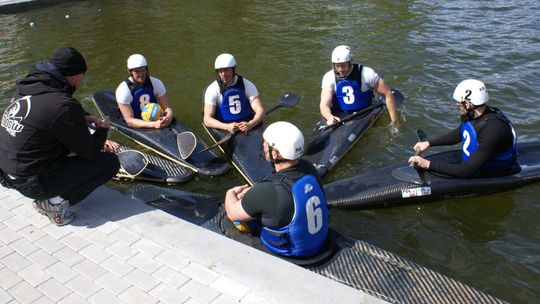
[324,131]
[286,100]
[422,136]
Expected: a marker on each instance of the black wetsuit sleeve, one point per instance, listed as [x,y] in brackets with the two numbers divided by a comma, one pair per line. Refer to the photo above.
[489,141]
[451,138]
[256,201]
[71,130]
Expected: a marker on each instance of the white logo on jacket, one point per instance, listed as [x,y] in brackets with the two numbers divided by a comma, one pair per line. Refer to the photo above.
[12,118]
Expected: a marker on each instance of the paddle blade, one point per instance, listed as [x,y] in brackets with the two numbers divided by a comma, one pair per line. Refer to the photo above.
[289,100]
[186,142]
[132,162]
[422,136]
[286,100]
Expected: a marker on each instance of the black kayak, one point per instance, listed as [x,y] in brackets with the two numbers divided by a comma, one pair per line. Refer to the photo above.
[162,141]
[402,184]
[244,151]
[150,168]
[326,148]
[344,259]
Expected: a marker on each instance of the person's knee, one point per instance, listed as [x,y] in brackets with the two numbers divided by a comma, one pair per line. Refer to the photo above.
[113,163]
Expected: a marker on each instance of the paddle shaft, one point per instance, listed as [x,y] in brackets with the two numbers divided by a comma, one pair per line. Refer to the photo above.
[351,117]
[422,136]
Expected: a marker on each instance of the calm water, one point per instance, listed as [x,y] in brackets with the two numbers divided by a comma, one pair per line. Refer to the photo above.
[424,48]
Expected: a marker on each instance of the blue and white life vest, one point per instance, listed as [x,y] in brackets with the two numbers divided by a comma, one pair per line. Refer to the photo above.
[349,95]
[306,234]
[234,104]
[142,95]
[497,161]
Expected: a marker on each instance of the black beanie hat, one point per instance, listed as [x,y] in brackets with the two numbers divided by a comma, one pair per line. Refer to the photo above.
[68,61]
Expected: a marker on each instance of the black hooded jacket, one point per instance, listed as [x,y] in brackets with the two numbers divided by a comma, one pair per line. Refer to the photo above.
[43,124]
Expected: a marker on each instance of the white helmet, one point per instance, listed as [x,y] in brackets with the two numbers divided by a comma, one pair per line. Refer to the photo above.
[136,61]
[341,54]
[286,138]
[225,61]
[471,90]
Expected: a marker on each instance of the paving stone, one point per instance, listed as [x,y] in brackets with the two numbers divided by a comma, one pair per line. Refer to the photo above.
[15,261]
[166,294]
[94,253]
[61,272]
[113,283]
[200,273]
[55,231]
[54,290]
[145,263]
[8,235]
[223,299]
[44,300]
[74,241]
[5,297]
[141,280]
[100,239]
[171,277]
[74,298]
[23,246]
[125,236]
[78,227]
[5,250]
[230,287]
[34,275]
[41,258]
[15,223]
[24,292]
[31,233]
[89,269]
[49,244]
[147,247]
[38,220]
[5,214]
[172,260]
[136,296]
[121,250]
[83,287]
[24,210]
[68,256]
[194,301]
[103,296]
[117,266]
[8,278]
[108,227]
[199,291]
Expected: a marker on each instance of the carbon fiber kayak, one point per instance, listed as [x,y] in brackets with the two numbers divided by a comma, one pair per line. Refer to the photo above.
[401,184]
[326,148]
[157,169]
[162,141]
[352,262]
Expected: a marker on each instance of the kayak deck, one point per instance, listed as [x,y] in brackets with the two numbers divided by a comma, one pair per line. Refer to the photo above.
[325,149]
[244,151]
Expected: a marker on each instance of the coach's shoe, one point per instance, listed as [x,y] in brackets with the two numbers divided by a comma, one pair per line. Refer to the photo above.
[59,214]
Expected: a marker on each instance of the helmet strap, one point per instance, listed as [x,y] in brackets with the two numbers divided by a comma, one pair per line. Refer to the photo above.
[272,160]
[336,73]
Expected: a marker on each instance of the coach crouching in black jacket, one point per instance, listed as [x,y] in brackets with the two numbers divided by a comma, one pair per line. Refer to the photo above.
[46,150]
